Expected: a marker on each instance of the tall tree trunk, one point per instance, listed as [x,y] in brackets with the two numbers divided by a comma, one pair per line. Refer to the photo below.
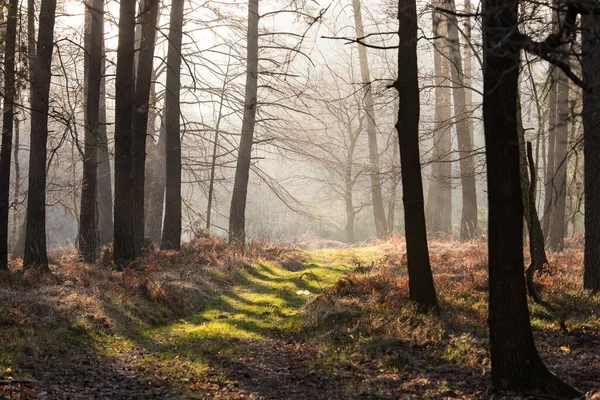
[140,116]
[124,244]
[559,183]
[104,193]
[468,225]
[16,221]
[374,171]
[237,213]
[591,149]
[8,113]
[394,189]
[516,365]
[35,239]
[549,197]
[155,186]
[439,196]
[171,237]
[420,279]
[88,228]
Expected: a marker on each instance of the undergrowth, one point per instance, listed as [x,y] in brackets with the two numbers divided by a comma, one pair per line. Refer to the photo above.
[77,304]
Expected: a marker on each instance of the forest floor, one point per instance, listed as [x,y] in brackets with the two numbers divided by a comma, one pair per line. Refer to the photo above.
[276,324]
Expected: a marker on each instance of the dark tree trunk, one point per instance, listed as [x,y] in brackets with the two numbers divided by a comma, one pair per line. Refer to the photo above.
[171,237]
[35,237]
[140,116]
[591,149]
[516,365]
[237,213]
[420,279]
[124,244]
[104,193]
[88,226]
[8,113]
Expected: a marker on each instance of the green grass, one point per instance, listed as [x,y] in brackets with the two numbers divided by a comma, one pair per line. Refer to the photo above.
[265,301]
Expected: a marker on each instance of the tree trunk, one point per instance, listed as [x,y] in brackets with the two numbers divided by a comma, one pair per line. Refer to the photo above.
[171,237]
[88,227]
[35,237]
[516,365]
[549,198]
[16,221]
[237,213]
[124,244]
[439,195]
[374,171]
[559,183]
[155,186]
[591,149]
[8,113]
[394,189]
[468,225]
[104,192]
[140,115]
[420,279]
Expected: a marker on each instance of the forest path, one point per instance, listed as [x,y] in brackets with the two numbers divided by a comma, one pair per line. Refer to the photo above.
[239,346]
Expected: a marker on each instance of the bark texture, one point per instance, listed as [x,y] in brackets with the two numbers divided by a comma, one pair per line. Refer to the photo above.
[420,279]
[516,365]
[237,212]
[35,252]
[591,149]
[171,236]
[8,112]
[88,227]
[140,116]
[124,244]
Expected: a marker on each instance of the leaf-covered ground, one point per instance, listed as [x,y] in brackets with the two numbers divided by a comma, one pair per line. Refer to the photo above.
[276,324]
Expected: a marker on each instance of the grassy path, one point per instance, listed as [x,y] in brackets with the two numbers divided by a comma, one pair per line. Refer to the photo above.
[240,345]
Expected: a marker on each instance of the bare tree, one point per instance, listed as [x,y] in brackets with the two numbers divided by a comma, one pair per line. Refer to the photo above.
[8,113]
[591,148]
[374,170]
[88,228]
[171,237]
[35,239]
[420,279]
[124,245]
[237,215]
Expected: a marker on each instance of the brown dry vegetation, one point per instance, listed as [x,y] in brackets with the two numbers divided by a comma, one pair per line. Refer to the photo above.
[365,321]
[359,338]
[46,316]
